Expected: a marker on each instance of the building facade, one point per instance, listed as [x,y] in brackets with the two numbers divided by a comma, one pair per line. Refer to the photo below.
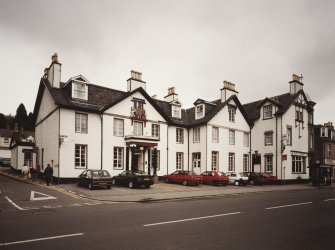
[281,132]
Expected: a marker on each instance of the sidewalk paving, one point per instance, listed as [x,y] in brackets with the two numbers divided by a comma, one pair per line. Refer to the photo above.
[158,192]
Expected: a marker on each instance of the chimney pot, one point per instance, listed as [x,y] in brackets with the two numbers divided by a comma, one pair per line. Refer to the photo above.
[171,90]
[54,58]
[229,85]
[297,78]
[136,75]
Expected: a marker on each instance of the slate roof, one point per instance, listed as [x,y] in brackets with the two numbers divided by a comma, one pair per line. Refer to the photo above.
[101,98]
[283,102]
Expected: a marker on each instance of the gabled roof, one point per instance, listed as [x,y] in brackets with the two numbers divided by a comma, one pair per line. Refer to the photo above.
[101,98]
[283,102]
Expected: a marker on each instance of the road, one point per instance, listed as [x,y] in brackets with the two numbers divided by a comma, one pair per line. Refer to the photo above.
[302,219]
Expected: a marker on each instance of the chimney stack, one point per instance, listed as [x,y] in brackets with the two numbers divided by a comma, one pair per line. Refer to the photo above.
[54,72]
[171,96]
[135,81]
[296,84]
[227,91]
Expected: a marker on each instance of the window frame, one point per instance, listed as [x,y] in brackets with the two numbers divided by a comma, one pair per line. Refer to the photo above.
[79,123]
[215,134]
[215,161]
[289,134]
[231,137]
[138,128]
[298,164]
[175,111]
[231,161]
[267,136]
[81,92]
[268,161]
[80,158]
[179,136]
[155,130]
[199,111]
[246,139]
[118,158]
[231,114]
[179,160]
[118,127]
[267,112]
[196,135]
[246,163]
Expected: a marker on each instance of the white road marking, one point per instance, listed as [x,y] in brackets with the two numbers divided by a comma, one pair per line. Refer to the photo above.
[17,206]
[190,219]
[44,196]
[333,199]
[40,239]
[290,205]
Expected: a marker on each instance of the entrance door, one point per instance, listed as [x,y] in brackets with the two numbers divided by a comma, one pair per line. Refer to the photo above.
[140,160]
[196,162]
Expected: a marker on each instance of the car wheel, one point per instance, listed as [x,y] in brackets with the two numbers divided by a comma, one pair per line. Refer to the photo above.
[185,182]
[131,184]
[90,186]
[113,182]
[236,183]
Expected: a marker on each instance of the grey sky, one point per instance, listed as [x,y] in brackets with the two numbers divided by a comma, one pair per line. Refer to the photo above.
[192,45]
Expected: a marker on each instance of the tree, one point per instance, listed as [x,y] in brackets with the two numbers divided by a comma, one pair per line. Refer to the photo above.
[30,126]
[21,116]
[3,121]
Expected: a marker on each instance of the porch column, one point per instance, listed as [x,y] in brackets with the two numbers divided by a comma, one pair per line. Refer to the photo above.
[127,158]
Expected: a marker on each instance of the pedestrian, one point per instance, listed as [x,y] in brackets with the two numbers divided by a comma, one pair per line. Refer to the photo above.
[25,171]
[48,174]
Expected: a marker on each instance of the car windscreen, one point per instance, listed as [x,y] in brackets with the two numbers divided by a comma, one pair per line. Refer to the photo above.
[243,174]
[101,173]
[222,174]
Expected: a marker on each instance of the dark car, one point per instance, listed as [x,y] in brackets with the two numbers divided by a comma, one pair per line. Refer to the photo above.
[133,179]
[214,178]
[184,177]
[95,178]
[255,178]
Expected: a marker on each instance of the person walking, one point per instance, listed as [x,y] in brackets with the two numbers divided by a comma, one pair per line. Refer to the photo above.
[48,174]
[25,171]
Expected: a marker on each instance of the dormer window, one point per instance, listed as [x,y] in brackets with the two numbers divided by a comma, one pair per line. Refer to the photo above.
[267,112]
[324,132]
[79,90]
[176,111]
[199,111]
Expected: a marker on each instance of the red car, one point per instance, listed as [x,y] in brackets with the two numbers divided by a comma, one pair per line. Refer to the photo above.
[184,177]
[214,178]
[269,179]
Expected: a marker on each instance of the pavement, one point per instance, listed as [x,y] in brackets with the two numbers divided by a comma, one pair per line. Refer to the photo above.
[158,192]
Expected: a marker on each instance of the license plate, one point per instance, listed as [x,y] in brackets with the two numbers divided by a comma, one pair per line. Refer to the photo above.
[145,179]
[103,183]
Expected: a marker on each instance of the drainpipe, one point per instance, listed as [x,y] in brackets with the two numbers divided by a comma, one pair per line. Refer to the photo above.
[102,141]
[167,150]
[206,149]
[188,149]
[59,146]
[277,146]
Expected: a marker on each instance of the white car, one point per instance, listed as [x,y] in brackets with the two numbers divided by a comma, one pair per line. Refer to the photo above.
[237,178]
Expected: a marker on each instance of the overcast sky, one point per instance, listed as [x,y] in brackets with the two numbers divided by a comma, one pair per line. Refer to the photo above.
[192,45]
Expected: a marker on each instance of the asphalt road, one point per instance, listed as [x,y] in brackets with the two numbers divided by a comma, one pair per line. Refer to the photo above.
[302,219]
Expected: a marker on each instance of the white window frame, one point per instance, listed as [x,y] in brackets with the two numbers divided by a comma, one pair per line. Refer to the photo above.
[328,150]
[81,123]
[79,90]
[196,135]
[215,134]
[80,156]
[155,130]
[179,160]
[179,135]
[118,127]
[298,164]
[215,161]
[268,138]
[196,160]
[324,132]
[138,128]
[118,158]
[289,136]
[245,162]
[268,161]
[176,111]
[231,112]
[199,111]
[231,162]
[231,137]
[267,111]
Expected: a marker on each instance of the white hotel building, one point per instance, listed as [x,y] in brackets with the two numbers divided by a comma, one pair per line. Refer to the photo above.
[79,125]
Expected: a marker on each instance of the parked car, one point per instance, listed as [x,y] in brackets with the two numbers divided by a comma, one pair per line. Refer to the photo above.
[269,178]
[132,178]
[95,178]
[237,178]
[184,177]
[255,178]
[214,178]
